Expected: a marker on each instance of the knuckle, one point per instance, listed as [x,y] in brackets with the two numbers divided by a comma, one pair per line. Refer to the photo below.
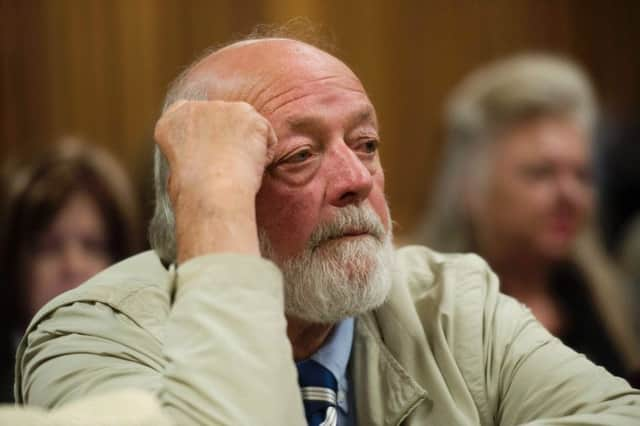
[241,107]
[188,108]
[262,125]
[159,130]
[175,108]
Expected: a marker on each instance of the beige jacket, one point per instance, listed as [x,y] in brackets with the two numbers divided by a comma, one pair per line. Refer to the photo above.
[445,349]
[129,407]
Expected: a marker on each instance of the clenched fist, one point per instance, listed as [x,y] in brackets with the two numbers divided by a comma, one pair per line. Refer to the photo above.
[217,152]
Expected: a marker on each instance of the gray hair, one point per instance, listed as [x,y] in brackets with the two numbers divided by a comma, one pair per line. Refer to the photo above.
[487,102]
[162,236]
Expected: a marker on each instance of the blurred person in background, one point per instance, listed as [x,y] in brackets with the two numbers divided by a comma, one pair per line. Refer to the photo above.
[66,217]
[630,250]
[516,188]
[630,262]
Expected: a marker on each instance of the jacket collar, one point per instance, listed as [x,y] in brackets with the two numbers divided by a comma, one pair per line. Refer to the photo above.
[385,392]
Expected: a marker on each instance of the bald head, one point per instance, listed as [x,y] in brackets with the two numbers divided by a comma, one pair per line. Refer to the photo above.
[245,70]
[294,85]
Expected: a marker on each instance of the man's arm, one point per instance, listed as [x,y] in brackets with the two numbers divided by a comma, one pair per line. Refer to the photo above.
[224,358]
[217,153]
[123,408]
[229,356]
[532,378]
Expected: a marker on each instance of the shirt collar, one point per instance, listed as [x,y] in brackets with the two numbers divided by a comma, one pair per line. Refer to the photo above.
[334,356]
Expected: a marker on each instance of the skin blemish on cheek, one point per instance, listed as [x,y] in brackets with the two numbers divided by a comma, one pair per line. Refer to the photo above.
[288,217]
[272,202]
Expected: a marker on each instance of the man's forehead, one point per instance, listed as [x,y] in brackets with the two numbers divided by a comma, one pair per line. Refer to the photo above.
[256,64]
[360,114]
[265,52]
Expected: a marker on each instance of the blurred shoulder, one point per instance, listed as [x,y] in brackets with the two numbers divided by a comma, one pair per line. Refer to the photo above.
[125,287]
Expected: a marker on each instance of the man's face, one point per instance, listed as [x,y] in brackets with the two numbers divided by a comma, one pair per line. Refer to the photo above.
[322,195]
[326,159]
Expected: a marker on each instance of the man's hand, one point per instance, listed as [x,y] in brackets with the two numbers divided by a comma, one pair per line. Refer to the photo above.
[217,153]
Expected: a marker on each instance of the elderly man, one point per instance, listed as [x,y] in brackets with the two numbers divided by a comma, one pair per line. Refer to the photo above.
[270,151]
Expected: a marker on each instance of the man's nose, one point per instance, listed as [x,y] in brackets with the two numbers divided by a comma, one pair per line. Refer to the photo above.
[349,180]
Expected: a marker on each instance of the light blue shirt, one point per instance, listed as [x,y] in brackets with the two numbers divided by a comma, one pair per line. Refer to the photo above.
[334,356]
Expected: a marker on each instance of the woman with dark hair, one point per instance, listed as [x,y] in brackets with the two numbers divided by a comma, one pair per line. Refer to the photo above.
[66,217]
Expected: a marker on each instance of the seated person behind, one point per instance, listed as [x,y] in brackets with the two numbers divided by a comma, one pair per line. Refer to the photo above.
[275,184]
[69,214]
[516,189]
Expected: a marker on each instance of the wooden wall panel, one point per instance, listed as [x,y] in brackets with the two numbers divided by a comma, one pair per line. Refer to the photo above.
[23,115]
[100,68]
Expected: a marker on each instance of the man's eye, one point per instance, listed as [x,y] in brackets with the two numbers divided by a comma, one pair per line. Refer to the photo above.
[370,146]
[299,157]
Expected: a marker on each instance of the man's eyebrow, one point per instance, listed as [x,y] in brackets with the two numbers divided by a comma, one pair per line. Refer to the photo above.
[367,114]
[310,122]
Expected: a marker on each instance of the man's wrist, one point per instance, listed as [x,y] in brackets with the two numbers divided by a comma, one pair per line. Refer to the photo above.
[223,230]
[229,269]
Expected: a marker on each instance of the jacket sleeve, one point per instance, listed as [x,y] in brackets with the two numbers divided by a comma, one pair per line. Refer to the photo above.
[533,379]
[130,407]
[224,357]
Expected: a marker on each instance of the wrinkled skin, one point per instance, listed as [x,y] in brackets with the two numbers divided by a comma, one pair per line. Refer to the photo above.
[298,140]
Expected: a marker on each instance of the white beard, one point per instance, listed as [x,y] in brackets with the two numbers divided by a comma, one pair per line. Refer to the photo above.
[333,279]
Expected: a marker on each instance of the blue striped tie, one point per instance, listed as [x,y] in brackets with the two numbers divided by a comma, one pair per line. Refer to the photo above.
[318,387]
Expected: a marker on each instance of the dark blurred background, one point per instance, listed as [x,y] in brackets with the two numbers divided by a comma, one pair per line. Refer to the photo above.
[99,69]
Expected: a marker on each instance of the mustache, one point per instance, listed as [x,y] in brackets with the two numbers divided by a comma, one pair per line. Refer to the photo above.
[349,220]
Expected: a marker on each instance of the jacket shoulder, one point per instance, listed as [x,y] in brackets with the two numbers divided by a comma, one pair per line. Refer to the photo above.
[455,297]
[125,287]
[453,294]
[427,272]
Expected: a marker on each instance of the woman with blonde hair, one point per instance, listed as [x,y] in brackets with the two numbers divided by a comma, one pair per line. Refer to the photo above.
[516,188]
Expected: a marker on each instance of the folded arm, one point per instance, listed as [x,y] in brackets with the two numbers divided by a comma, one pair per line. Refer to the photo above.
[224,357]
